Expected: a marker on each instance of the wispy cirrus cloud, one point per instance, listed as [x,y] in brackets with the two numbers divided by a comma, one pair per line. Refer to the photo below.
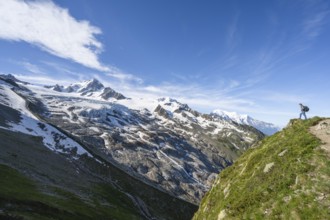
[53,29]
[232,38]
[316,13]
[197,96]
[32,68]
[313,26]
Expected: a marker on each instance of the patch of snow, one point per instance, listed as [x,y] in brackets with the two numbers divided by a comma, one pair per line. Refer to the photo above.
[94,129]
[51,136]
[16,102]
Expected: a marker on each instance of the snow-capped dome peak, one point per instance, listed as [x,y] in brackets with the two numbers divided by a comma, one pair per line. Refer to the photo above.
[230,115]
[265,127]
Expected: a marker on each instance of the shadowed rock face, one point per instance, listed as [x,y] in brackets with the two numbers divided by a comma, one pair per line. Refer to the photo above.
[8,116]
[162,112]
[110,93]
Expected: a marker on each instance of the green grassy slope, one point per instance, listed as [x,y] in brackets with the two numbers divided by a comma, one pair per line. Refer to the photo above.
[286,176]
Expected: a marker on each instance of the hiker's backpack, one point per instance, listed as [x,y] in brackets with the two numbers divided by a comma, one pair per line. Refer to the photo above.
[305,109]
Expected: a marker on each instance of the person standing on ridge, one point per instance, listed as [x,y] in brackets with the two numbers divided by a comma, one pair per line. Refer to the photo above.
[303,109]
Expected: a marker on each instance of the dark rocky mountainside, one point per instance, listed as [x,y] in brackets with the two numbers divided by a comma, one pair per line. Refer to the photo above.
[47,175]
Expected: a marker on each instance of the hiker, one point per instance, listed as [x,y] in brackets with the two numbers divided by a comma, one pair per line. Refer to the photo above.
[303,109]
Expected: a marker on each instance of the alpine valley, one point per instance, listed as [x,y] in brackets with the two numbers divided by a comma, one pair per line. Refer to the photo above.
[85,151]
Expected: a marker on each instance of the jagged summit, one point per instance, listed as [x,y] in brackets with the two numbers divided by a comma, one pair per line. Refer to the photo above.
[8,76]
[265,127]
[92,85]
[11,78]
[172,105]
[89,88]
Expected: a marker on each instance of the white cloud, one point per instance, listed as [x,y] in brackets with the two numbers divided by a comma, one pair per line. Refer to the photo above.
[53,29]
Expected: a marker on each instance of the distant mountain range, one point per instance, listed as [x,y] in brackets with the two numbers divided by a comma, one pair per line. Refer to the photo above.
[162,143]
[93,88]
[265,127]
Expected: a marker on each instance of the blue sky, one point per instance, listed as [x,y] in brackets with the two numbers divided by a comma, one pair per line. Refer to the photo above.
[254,57]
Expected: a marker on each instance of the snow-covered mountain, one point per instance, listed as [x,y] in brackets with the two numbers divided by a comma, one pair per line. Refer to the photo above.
[265,127]
[167,144]
[38,155]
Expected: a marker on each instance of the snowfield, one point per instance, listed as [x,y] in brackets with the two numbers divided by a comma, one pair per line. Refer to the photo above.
[29,124]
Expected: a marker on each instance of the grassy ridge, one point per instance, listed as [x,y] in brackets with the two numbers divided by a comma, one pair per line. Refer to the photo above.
[284,177]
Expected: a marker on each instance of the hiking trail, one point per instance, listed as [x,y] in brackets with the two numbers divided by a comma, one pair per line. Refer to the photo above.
[322,131]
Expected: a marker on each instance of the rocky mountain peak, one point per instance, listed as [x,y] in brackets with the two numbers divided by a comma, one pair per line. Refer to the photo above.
[173,105]
[57,88]
[90,88]
[162,112]
[110,93]
[10,77]
[92,85]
